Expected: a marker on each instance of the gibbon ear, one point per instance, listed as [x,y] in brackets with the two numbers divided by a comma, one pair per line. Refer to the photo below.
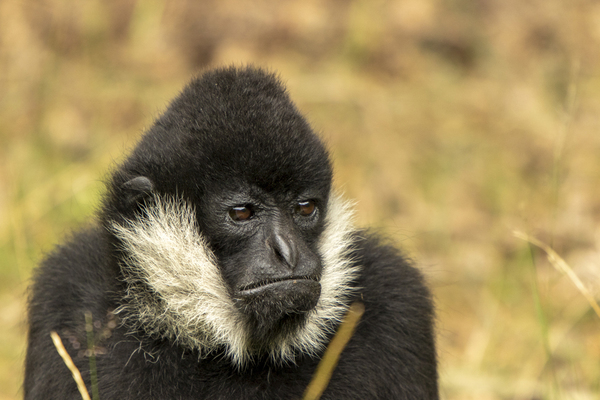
[137,189]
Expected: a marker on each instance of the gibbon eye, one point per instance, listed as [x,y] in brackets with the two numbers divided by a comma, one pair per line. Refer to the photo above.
[240,213]
[305,208]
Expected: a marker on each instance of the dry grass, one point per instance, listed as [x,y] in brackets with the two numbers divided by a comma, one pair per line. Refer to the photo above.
[452,122]
[322,374]
[71,365]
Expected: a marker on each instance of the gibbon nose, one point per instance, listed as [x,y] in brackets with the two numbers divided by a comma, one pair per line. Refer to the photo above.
[285,250]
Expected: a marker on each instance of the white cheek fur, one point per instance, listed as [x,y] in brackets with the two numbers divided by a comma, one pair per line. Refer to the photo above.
[175,288]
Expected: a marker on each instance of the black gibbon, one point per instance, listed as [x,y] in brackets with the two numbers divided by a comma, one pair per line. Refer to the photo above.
[221,265]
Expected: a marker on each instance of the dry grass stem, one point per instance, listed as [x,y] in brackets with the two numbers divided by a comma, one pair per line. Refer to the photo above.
[562,266]
[322,375]
[69,362]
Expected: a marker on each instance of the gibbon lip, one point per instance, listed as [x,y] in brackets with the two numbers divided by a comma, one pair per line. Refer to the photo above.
[267,283]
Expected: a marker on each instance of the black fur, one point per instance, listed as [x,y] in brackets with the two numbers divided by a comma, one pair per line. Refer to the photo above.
[232,137]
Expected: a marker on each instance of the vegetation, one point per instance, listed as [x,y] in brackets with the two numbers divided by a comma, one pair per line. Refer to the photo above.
[453,123]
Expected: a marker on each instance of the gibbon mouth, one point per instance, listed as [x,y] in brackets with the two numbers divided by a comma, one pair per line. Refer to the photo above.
[294,281]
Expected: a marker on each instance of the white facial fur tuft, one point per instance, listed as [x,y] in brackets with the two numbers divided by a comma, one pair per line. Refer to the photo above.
[175,288]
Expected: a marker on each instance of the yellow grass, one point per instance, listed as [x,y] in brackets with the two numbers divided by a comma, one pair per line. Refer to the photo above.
[451,123]
[69,362]
[324,370]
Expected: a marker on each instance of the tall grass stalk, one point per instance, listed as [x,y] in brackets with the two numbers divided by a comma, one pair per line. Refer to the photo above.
[542,319]
[561,265]
[71,365]
[324,370]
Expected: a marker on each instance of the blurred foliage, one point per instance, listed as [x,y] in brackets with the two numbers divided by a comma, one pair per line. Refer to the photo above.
[452,122]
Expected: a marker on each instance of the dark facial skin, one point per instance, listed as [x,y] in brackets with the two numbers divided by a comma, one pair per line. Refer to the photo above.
[266,247]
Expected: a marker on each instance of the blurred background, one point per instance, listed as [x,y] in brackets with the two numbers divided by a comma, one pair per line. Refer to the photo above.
[453,123]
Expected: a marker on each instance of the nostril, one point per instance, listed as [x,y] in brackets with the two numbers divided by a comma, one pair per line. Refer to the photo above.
[279,255]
